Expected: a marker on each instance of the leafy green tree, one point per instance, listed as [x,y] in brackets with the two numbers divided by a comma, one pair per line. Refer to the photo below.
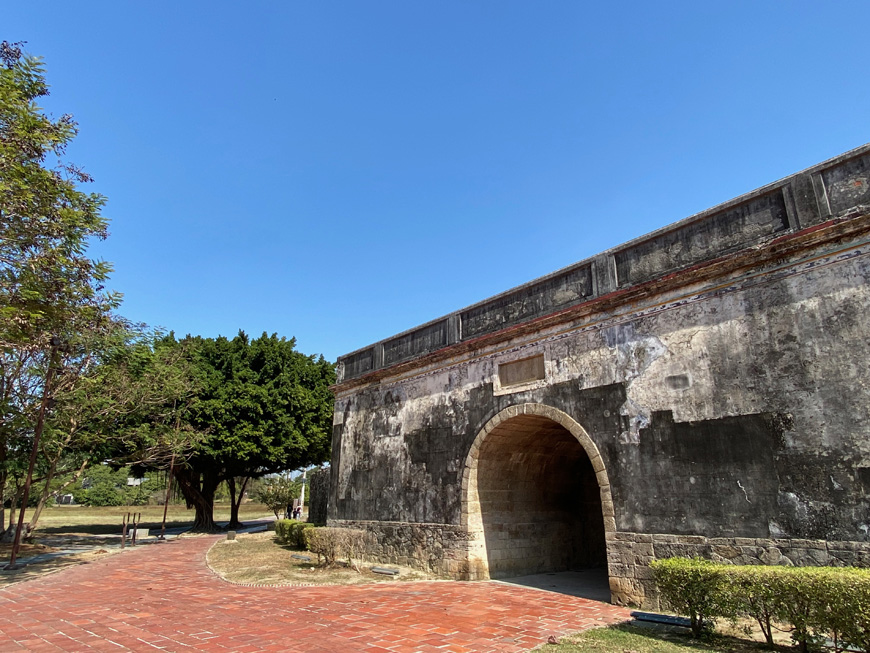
[277,493]
[52,297]
[263,408]
[104,486]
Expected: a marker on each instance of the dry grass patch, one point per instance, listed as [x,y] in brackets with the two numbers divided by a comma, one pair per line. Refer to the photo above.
[33,571]
[257,559]
[62,520]
[632,639]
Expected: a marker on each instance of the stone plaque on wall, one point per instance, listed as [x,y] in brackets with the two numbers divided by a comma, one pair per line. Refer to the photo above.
[522,371]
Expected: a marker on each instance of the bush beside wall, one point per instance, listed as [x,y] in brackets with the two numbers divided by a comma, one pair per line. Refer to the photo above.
[290,531]
[330,544]
[812,602]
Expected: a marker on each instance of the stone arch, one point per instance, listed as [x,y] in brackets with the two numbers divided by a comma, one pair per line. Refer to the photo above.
[472,518]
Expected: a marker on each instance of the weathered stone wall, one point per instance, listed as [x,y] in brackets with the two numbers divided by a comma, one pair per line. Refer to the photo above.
[434,548]
[318,492]
[630,554]
[718,368]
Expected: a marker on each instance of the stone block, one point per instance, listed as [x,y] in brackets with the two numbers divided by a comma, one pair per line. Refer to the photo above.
[643,537]
[642,549]
[726,551]
[803,544]
[842,558]
[643,572]
[807,557]
[621,571]
[663,538]
[597,463]
[626,591]
[672,550]
[848,546]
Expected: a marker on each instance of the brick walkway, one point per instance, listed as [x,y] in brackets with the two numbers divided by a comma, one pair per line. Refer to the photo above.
[165,597]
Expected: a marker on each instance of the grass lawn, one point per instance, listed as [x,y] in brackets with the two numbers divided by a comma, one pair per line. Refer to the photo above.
[58,520]
[631,639]
[256,558]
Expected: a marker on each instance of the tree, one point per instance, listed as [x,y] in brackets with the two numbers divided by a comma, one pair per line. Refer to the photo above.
[263,408]
[127,390]
[105,486]
[277,493]
[52,297]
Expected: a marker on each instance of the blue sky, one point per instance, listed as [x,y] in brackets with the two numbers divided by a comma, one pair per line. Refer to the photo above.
[342,171]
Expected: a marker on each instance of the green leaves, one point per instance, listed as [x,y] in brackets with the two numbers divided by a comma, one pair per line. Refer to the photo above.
[265,406]
[695,588]
[48,286]
[811,602]
[277,493]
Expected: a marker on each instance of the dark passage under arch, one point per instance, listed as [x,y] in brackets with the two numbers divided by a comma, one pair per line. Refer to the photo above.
[540,504]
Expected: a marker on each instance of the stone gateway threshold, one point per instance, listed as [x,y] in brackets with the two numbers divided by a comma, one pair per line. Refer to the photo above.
[700,390]
[164,597]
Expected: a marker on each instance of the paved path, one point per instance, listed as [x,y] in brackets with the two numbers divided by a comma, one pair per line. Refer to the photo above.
[165,597]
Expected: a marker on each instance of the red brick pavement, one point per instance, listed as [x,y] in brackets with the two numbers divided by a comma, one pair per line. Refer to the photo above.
[165,597]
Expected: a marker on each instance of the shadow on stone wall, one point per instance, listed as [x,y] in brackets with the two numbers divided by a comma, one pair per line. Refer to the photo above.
[318,502]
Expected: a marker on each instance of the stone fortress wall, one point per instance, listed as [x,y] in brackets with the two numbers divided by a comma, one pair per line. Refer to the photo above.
[702,390]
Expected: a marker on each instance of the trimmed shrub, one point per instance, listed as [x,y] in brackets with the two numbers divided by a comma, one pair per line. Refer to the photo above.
[290,532]
[282,530]
[696,588]
[298,533]
[756,595]
[330,543]
[813,602]
[802,603]
[850,611]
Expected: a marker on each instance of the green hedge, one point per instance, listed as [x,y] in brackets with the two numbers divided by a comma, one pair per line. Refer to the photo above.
[290,531]
[812,602]
[695,588]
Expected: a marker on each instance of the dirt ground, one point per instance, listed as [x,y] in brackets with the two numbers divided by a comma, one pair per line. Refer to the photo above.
[257,559]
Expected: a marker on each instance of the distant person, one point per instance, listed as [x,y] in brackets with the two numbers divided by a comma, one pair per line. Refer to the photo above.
[297,512]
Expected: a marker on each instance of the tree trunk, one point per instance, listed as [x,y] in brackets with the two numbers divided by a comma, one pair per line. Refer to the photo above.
[14,506]
[2,503]
[198,491]
[46,491]
[234,504]
[43,497]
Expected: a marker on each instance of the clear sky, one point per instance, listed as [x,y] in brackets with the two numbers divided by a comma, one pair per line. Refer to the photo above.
[343,171]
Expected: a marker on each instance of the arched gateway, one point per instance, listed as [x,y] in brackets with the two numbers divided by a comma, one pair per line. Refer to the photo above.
[718,363]
[535,495]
